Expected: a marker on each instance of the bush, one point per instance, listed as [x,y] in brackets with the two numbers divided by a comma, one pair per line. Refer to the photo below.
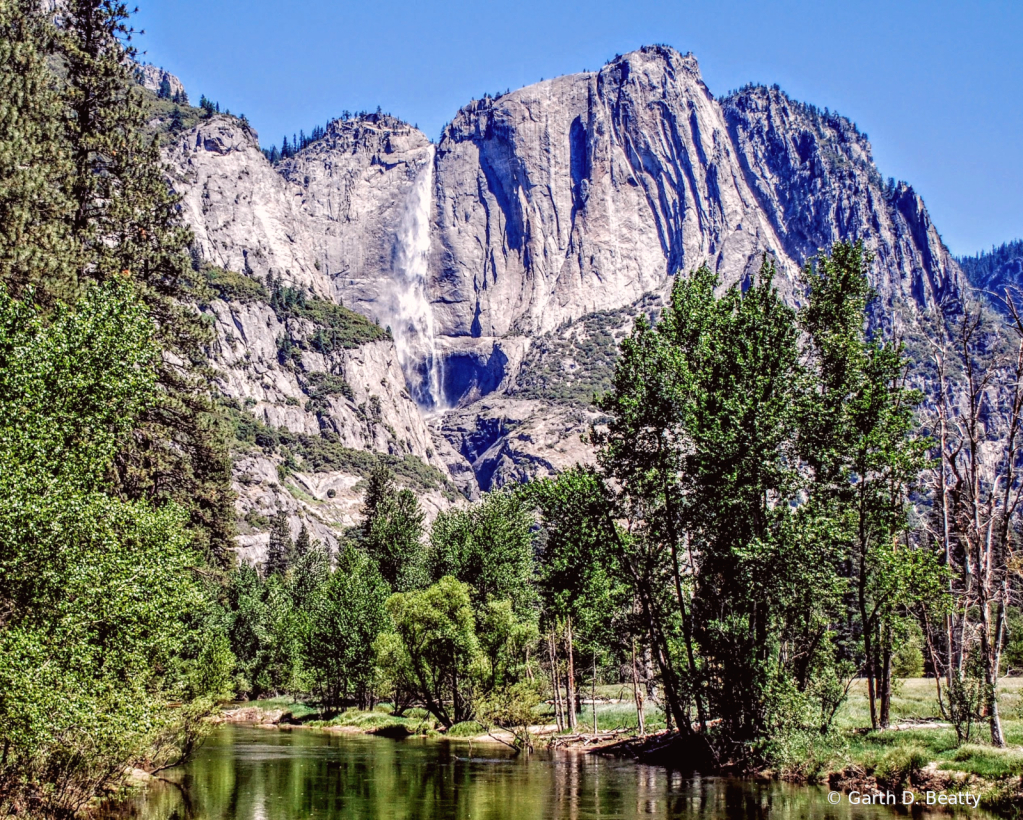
[908,660]
[897,767]
[467,728]
[321,386]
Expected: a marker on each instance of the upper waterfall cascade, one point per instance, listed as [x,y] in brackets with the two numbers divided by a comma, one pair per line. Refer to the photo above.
[412,313]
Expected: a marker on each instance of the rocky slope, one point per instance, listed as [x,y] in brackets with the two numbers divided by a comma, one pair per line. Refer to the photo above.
[158,80]
[506,260]
[993,273]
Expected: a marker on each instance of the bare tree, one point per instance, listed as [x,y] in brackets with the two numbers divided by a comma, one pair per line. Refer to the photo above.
[977,485]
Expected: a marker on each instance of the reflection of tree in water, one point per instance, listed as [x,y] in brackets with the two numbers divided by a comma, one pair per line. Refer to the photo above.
[255,774]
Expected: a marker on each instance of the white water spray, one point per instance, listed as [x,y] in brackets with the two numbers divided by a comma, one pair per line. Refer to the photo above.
[412,313]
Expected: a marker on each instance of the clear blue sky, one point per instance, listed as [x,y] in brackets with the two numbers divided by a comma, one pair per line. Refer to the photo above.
[937,85]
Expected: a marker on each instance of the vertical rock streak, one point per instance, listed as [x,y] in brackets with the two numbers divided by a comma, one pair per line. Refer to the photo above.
[412,320]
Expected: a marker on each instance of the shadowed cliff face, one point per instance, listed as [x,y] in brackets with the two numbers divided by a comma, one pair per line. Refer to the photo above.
[583,193]
[575,196]
[815,179]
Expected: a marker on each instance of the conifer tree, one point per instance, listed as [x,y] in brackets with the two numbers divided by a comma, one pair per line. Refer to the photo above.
[125,224]
[395,541]
[379,486]
[35,208]
[303,544]
[280,550]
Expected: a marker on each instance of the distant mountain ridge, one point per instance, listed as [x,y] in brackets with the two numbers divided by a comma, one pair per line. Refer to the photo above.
[580,196]
[993,271]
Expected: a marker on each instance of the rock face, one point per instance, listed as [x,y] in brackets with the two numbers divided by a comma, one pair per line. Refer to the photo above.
[814,177]
[510,441]
[158,80]
[578,198]
[582,193]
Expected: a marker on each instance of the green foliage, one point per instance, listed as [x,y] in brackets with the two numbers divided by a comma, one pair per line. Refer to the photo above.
[577,570]
[908,657]
[858,438]
[434,650]
[765,478]
[235,287]
[344,617]
[71,390]
[280,549]
[468,728]
[394,540]
[326,452]
[35,205]
[97,592]
[337,327]
[488,546]
[895,768]
[445,654]
[320,387]
[1013,653]
[575,363]
[513,709]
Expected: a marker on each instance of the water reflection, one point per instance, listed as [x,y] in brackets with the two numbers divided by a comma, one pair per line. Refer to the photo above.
[260,774]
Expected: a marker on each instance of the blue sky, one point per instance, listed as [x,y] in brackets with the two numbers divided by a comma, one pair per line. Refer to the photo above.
[937,85]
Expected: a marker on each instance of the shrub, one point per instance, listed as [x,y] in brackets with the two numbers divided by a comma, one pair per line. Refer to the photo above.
[897,767]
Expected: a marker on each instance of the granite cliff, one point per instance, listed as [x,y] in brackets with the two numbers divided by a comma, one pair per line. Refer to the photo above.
[502,264]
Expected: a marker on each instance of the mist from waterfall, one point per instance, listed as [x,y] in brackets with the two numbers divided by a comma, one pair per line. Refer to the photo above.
[412,314]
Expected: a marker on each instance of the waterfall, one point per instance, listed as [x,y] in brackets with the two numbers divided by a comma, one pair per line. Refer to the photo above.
[412,314]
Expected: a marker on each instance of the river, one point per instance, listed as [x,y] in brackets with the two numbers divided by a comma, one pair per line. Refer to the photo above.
[249,773]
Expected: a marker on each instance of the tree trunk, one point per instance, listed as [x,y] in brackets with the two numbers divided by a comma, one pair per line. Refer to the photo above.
[637,694]
[988,652]
[556,682]
[572,697]
[885,684]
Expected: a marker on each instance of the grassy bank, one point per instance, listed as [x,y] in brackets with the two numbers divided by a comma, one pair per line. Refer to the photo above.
[918,729]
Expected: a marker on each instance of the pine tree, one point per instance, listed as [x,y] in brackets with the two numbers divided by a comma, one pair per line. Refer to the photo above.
[395,541]
[280,550]
[126,224]
[379,487]
[35,162]
[303,544]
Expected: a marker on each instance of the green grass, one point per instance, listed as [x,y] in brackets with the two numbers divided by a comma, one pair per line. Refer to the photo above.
[610,716]
[380,722]
[469,728]
[298,709]
[934,742]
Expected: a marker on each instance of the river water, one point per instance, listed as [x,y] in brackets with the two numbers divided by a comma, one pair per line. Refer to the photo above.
[248,773]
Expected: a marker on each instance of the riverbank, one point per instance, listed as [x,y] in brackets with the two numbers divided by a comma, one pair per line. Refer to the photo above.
[921,750]
[919,753]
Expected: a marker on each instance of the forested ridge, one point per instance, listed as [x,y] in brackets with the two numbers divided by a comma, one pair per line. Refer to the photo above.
[781,503]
